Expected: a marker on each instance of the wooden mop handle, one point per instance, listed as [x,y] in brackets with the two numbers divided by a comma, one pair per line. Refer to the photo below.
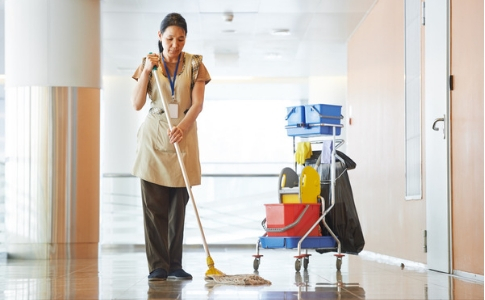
[181,162]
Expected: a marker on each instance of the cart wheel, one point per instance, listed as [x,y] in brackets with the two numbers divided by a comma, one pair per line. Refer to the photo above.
[306,261]
[298,265]
[256,264]
[339,263]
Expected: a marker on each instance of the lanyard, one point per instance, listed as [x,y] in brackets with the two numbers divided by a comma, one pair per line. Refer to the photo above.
[172,82]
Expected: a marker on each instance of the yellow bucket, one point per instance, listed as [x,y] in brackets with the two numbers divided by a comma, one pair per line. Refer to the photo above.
[309,185]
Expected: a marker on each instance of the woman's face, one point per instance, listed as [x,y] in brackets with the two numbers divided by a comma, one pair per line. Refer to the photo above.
[173,41]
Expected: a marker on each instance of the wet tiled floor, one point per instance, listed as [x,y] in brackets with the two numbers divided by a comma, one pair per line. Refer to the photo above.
[121,273]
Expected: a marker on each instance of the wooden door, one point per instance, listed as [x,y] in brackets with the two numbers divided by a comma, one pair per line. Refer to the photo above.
[466,98]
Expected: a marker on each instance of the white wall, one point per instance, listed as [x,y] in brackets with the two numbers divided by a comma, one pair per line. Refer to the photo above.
[119,125]
[328,90]
[331,90]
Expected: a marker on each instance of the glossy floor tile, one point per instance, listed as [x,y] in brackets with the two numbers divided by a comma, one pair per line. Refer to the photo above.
[122,274]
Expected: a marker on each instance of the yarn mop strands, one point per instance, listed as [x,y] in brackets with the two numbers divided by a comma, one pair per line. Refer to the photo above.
[240,279]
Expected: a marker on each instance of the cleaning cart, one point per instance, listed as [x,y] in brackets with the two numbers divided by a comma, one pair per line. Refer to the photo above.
[295,221]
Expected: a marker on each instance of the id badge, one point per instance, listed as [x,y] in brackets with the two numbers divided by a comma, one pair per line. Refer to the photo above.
[173,110]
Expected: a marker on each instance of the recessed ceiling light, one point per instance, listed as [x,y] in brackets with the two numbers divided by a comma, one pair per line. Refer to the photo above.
[280,32]
[228,31]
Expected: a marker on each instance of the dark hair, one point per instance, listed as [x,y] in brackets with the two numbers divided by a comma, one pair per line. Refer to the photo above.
[173,19]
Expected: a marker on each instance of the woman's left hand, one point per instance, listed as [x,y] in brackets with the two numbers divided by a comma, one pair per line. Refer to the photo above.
[176,135]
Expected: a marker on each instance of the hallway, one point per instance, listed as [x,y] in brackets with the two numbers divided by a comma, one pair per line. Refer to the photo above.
[122,274]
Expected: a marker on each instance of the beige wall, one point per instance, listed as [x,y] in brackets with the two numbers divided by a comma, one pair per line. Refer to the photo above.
[392,225]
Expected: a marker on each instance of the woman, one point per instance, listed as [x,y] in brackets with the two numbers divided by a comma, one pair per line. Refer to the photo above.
[183,77]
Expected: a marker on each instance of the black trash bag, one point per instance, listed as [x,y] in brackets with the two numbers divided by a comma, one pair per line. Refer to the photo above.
[342,219]
[312,160]
[349,163]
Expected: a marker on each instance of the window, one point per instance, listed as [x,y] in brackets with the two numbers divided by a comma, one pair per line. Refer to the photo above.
[412,35]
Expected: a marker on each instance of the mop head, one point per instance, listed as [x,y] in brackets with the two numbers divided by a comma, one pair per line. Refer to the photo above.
[218,277]
[242,279]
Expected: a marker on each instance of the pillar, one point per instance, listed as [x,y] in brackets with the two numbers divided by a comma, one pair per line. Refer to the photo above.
[52,93]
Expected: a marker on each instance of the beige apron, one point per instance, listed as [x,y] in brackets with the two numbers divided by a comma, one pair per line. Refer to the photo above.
[156,160]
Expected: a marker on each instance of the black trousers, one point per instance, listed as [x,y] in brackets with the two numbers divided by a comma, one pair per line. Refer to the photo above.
[164,217]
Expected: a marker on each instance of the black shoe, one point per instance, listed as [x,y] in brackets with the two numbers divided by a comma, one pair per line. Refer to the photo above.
[179,274]
[158,274]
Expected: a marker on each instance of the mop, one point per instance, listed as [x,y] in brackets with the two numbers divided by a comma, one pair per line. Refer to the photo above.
[212,273]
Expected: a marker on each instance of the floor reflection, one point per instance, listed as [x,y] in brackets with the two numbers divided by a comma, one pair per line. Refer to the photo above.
[166,289]
[123,275]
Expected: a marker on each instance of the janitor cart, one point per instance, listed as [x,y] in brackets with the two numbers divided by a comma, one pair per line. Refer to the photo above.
[300,204]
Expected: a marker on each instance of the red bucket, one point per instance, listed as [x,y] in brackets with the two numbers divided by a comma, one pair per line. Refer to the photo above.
[279,216]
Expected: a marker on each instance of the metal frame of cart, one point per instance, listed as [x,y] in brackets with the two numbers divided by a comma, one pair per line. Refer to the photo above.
[289,242]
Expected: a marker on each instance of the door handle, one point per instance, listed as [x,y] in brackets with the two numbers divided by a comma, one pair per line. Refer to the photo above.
[436,128]
[436,121]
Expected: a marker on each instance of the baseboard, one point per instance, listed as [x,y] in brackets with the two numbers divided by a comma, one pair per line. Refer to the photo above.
[469,276]
[390,260]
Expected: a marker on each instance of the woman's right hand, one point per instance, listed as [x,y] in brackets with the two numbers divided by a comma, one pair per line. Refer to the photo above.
[140,90]
[151,61]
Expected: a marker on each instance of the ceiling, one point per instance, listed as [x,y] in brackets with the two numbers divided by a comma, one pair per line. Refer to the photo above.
[266,38]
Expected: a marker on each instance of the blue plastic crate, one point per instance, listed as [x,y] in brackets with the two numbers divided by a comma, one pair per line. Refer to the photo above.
[323,113]
[310,130]
[295,117]
[312,117]
[292,242]
[313,130]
